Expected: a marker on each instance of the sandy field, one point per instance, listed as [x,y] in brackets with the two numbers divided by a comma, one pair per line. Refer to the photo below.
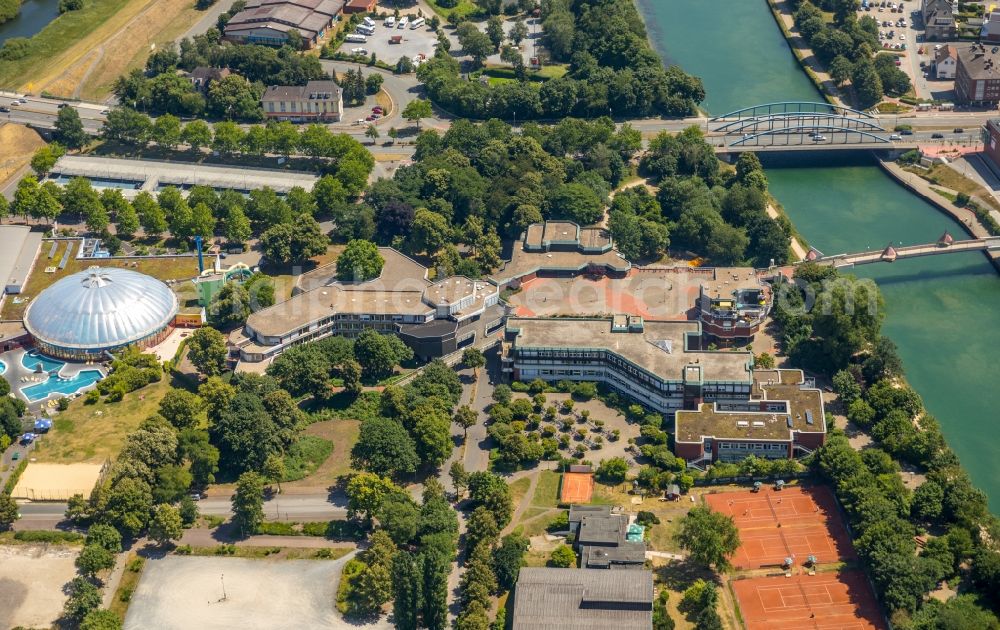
[51,482]
[31,581]
[179,593]
[19,144]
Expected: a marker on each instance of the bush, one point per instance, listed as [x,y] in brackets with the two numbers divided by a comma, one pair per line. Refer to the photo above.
[47,536]
[559,523]
[647,518]
[562,557]
[962,199]
[183,550]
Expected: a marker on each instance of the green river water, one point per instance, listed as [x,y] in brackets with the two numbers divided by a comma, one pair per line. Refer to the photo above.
[943,311]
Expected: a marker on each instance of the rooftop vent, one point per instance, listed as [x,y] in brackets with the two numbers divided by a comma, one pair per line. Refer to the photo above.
[758,423]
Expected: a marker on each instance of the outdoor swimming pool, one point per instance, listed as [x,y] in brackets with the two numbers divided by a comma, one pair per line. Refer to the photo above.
[31,361]
[59,385]
[100,182]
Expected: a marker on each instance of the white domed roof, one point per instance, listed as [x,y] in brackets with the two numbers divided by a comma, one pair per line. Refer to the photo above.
[102,307]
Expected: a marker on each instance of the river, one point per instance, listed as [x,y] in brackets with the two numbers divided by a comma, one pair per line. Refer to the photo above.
[34,16]
[943,312]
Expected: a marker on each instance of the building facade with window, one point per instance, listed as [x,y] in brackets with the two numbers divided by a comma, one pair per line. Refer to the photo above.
[660,364]
[782,418]
[314,101]
[433,318]
[977,76]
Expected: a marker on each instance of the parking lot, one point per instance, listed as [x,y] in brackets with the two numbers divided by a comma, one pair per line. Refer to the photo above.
[413,42]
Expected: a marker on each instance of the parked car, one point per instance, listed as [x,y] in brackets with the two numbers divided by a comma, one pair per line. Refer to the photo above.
[4,108]
[958,130]
[937,136]
[906,132]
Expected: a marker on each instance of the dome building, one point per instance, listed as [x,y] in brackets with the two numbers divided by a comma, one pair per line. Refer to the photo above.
[84,315]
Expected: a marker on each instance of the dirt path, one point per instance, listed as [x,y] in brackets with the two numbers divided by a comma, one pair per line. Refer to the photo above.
[797,249]
[525,502]
[611,197]
[801,48]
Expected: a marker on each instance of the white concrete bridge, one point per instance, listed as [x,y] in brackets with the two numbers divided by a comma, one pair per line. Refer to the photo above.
[944,245]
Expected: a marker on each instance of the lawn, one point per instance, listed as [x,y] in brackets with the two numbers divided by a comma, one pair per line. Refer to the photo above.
[19,144]
[171,268]
[284,281]
[129,580]
[518,489]
[94,433]
[463,8]
[547,490]
[341,434]
[305,456]
[944,175]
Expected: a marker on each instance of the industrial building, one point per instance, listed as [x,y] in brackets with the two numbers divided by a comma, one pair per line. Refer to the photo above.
[269,22]
[582,599]
[20,248]
[86,315]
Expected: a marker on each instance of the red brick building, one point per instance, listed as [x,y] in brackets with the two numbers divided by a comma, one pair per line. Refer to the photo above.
[359,6]
[991,142]
[977,77]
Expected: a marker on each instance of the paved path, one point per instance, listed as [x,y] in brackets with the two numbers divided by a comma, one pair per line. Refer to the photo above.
[797,249]
[204,537]
[924,188]
[665,554]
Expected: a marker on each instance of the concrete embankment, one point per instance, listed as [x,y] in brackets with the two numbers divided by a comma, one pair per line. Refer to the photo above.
[925,190]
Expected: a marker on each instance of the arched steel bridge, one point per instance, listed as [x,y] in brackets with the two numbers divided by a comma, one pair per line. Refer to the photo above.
[794,123]
[799,107]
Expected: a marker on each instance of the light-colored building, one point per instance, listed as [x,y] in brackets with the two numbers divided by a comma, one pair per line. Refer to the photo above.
[782,418]
[270,22]
[946,62]
[585,599]
[314,101]
[990,30]
[17,256]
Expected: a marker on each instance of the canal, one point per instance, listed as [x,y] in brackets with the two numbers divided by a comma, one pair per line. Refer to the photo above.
[943,312]
[34,16]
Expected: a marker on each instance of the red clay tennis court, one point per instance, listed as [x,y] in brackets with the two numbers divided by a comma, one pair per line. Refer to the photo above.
[576,487]
[795,522]
[825,601]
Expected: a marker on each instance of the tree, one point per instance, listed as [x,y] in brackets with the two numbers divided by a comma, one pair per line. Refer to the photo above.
[399,517]
[494,30]
[83,598]
[248,503]
[274,469]
[519,32]
[181,408]
[227,137]
[431,429]
[166,524]
[69,129]
[475,43]
[416,110]
[612,470]
[576,202]
[104,535]
[711,538]
[129,503]
[562,557]
[195,447]
[507,559]
[430,231]
[45,158]
[8,511]
[481,528]
[207,351]
[94,559]
[126,221]
[379,354]
[366,492]
[473,358]
[101,620]
[233,97]
[284,243]
[490,490]
[866,82]
[465,417]
[197,134]
[385,448]
[151,216]
[127,126]
[373,83]
[372,132]
[407,587]
[166,131]
[840,69]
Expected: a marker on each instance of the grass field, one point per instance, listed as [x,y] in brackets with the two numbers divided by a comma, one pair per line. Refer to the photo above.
[93,433]
[944,175]
[342,434]
[19,144]
[284,281]
[305,456]
[463,8]
[518,489]
[129,580]
[178,268]
[81,52]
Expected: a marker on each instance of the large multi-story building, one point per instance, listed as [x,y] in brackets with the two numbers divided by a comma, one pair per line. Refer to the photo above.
[782,418]
[661,364]
[977,76]
[939,20]
[434,318]
[314,101]
[723,409]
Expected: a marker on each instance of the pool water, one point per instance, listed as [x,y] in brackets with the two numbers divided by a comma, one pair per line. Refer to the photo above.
[3,367]
[32,360]
[100,182]
[59,385]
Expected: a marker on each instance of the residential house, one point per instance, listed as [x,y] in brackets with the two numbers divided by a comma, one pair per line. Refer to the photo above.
[580,599]
[316,101]
[939,20]
[991,144]
[946,62]
[202,77]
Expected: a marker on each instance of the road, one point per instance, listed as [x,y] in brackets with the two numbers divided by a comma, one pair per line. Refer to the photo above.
[286,507]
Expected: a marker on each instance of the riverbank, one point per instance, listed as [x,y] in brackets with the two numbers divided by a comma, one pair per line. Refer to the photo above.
[803,54]
[930,193]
